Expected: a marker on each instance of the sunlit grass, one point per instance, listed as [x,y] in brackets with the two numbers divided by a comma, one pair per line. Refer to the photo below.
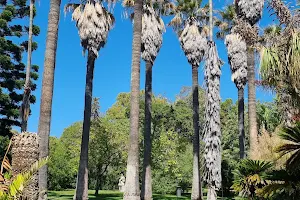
[115,195]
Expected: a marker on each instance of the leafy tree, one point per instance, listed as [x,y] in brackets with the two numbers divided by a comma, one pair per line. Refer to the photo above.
[103,152]
[12,76]
[47,92]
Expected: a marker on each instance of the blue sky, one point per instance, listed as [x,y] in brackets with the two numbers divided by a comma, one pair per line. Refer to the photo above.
[112,73]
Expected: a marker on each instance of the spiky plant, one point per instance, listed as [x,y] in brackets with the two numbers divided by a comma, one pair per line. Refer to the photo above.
[25,152]
[279,60]
[212,129]
[94,23]
[249,10]
[282,184]
[237,56]
[250,176]
[14,188]
[292,146]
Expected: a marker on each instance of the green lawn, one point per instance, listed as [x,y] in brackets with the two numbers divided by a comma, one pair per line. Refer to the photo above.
[113,195]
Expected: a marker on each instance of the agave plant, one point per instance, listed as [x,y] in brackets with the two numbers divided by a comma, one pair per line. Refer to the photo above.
[250,176]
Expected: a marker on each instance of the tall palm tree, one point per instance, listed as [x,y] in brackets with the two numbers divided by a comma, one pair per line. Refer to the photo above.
[152,30]
[94,23]
[251,12]
[47,93]
[212,127]
[25,107]
[188,22]
[237,56]
[279,61]
[132,191]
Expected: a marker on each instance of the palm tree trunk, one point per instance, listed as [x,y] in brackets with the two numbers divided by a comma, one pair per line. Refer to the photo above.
[241,108]
[82,183]
[147,180]
[211,25]
[47,93]
[132,190]
[252,102]
[25,103]
[196,186]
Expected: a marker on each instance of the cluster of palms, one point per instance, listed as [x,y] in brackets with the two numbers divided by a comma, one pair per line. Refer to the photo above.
[261,180]
[191,23]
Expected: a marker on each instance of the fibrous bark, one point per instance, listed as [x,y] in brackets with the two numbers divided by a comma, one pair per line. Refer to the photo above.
[25,152]
[249,10]
[237,56]
[193,42]
[93,23]
[283,13]
[152,30]
[212,128]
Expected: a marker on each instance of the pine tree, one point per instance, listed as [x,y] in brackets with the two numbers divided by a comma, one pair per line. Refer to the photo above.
[12,69]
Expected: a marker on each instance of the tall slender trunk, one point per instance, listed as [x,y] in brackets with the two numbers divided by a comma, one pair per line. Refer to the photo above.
[196,186]
[252,102]
[241,109]
[25,103]
[212,195]
[132,190]
[211,25]
[82,183]
[147,179]
[47,92]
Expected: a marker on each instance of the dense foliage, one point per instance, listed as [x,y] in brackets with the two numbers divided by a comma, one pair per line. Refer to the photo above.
[12,69]
[172,144]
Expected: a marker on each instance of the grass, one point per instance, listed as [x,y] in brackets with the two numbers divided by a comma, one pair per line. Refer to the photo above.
[114,195]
